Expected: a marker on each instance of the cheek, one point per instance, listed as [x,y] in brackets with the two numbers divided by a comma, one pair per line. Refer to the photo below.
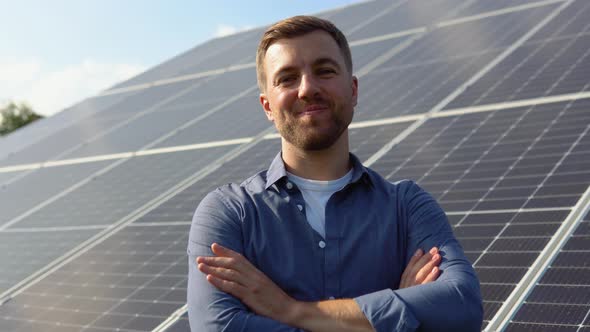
[284,101]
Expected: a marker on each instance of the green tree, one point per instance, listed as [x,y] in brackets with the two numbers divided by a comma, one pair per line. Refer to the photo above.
[14,116]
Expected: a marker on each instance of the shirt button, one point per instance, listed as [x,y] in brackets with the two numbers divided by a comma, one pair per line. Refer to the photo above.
[300,207]
[322,244]
[289,185]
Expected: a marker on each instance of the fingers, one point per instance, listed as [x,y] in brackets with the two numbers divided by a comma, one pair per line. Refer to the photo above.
[222,251]
[420,264]
[229,287]
[427,269]
[422,268]
[228,265]
[406,276]
[224,257]
[221,273]
[432,276]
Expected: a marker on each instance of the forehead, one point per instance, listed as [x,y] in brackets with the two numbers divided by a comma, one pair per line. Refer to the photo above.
[301,51]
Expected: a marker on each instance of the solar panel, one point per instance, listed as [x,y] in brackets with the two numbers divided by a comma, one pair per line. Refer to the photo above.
[354,16]
[198,57]
[406,15]
[7,177]
[479,7]
[148,128]
[41,185]
[560,301]
[481,164]
[547,65]
[483,103]
[24,252]
[125,282]
[106,198]
[32,133]
[61,141]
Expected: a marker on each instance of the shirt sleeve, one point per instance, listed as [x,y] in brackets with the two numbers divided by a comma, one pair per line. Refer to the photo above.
[452,302]
[209,309]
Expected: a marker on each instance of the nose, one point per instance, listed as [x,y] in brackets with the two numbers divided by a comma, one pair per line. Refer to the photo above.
[308,88]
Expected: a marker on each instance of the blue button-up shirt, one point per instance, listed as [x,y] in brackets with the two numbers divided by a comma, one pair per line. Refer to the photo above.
[373,227]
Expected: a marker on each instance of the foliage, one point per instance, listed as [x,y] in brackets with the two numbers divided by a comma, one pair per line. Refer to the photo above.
[14,116]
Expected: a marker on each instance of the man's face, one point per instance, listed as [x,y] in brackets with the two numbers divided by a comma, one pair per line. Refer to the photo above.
[309,95]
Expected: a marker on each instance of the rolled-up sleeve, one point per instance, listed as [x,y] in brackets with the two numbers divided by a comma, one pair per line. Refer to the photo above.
[451,303]
[209,309]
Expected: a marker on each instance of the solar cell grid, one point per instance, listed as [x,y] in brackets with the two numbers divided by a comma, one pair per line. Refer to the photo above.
[485,34]
[347,18]
[146,128]
[433,67]
[414,89]
[34,132]
[110,196]
[482,6]
[508,158]
[216,89]
[55,145]
[560,301]
[242,118]
[363,54]
[180,325]
[8,177]
[364,142]
[482,149]
[407,15]
[182,205]
[145,101]
[132,281]
[193,58]
[534,70]
[40,185]
[573,20]
[241,52]
[22,253]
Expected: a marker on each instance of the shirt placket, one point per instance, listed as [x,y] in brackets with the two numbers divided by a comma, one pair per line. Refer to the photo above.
[326,255]
[331,248]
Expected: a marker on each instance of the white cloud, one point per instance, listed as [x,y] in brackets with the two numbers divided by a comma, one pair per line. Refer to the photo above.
[18,71]
[49,92]
[223,30]
[16,75]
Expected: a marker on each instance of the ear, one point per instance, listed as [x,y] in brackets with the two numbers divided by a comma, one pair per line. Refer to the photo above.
[266,107]
[355,90]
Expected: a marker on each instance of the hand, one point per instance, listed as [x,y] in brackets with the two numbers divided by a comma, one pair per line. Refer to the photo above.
[422,268]
[230,272]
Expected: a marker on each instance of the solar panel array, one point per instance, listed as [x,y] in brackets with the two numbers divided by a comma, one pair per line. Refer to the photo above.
[486,104]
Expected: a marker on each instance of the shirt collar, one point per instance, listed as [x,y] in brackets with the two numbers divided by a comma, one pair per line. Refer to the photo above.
[277,171]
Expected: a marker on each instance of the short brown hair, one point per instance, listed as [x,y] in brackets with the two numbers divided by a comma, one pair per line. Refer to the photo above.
[297,26]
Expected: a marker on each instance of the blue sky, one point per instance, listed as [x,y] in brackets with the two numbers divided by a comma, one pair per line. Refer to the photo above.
[55,53]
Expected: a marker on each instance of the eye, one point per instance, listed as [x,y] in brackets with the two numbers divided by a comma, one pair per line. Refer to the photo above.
[324,71]
[287,79]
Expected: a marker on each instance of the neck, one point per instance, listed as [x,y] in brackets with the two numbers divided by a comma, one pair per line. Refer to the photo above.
[328,164]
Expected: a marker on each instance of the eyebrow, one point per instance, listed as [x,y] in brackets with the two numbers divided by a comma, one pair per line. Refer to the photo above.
[323,61]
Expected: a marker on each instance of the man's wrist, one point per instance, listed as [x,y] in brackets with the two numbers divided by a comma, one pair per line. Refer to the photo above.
[294,313]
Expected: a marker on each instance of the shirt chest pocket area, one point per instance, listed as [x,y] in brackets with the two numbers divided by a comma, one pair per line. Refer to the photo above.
[279,243]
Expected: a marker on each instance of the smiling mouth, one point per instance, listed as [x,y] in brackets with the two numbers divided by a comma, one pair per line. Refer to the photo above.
[313,109]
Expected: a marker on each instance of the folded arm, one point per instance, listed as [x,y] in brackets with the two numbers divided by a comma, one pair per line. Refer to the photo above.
[209,308]
[451,303]
[230,272]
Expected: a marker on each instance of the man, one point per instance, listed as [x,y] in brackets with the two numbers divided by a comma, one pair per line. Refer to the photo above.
[319,242]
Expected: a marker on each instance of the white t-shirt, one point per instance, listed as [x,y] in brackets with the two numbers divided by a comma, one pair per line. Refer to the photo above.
[316,195]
